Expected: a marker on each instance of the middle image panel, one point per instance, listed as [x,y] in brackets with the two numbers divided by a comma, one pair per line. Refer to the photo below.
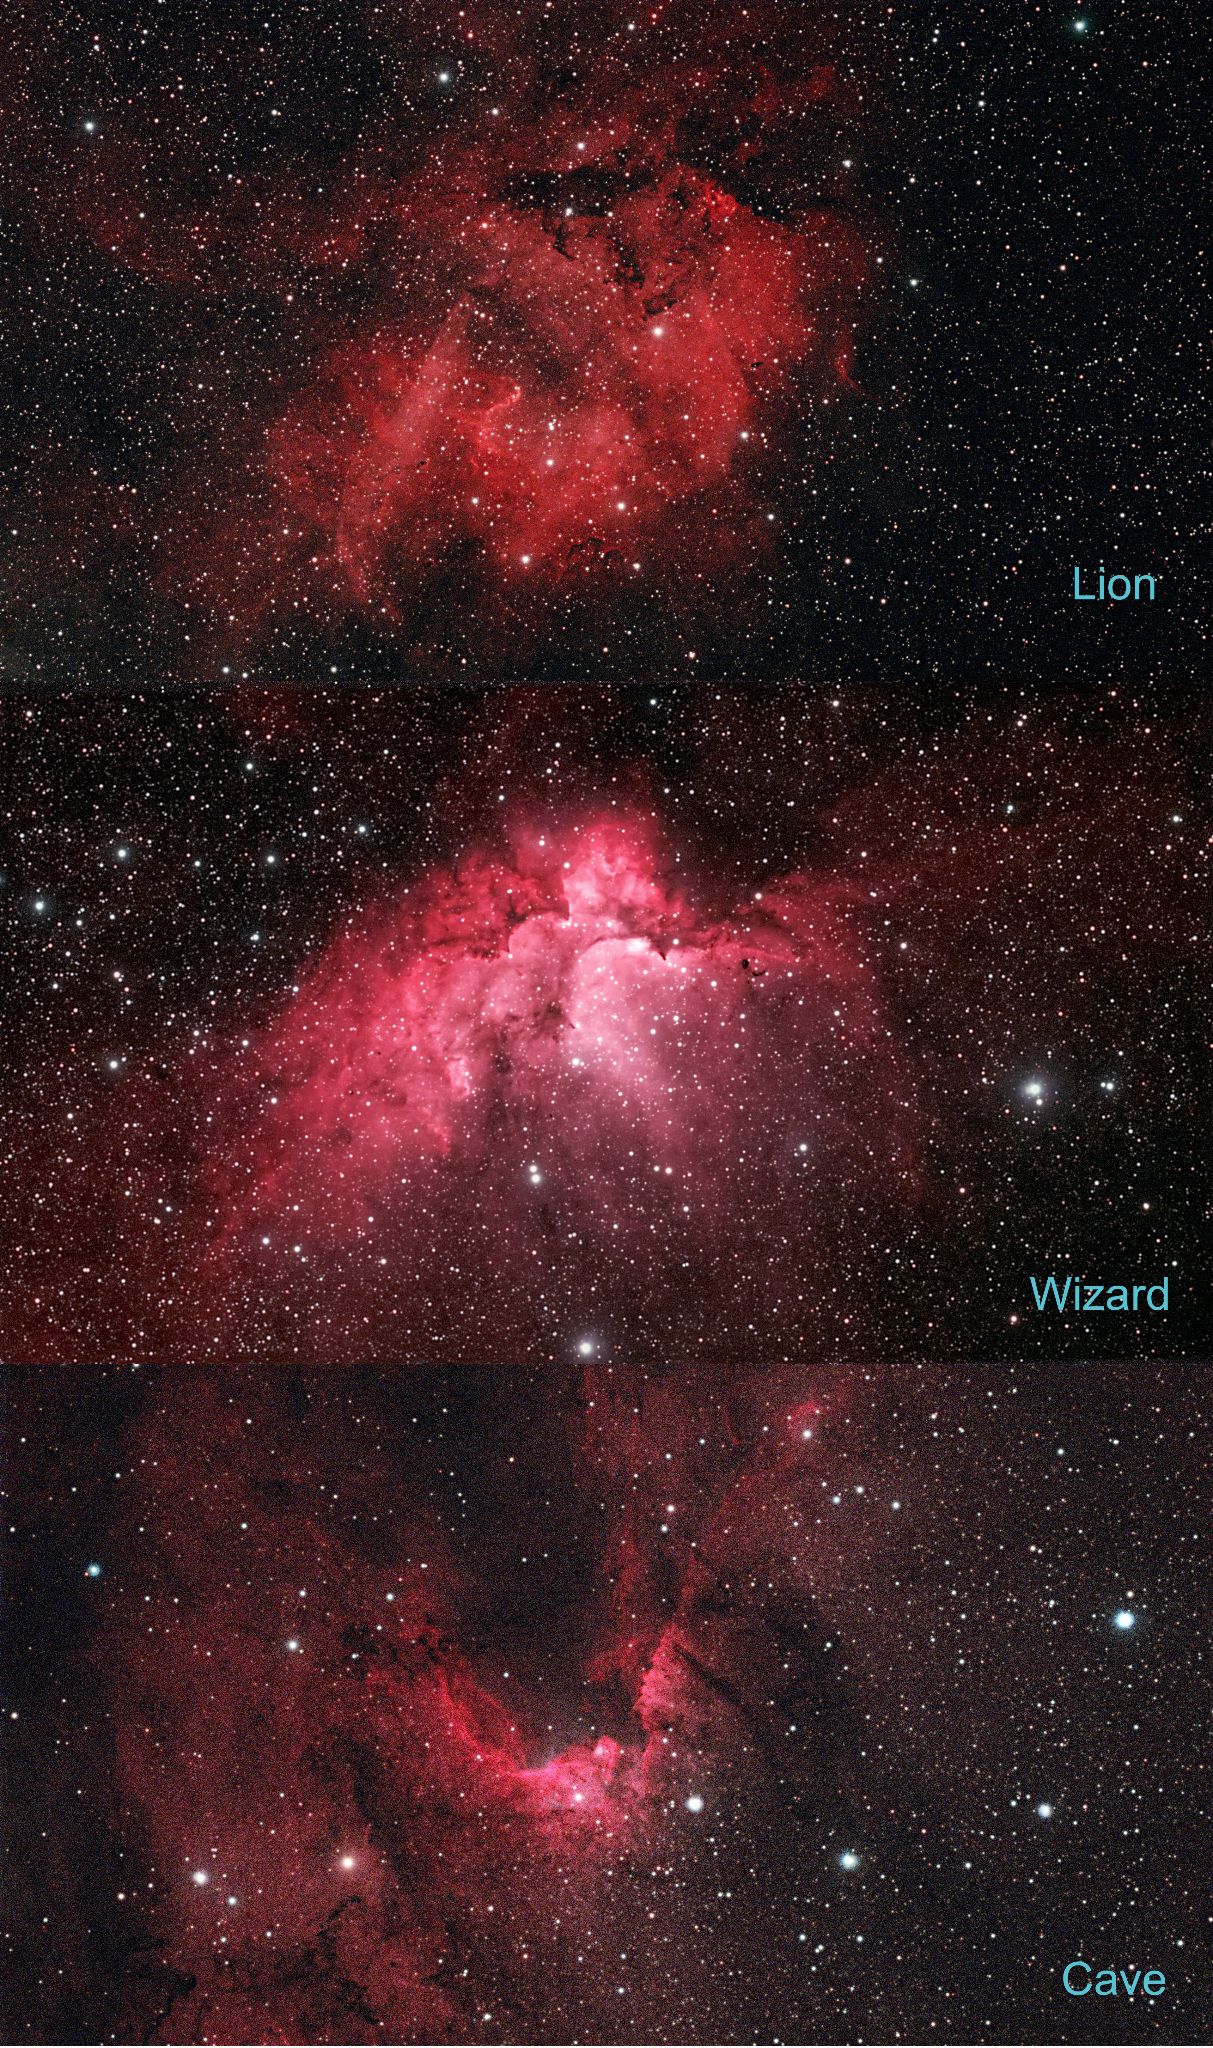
[575,1024]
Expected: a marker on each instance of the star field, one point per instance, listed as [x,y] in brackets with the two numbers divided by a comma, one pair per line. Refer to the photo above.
[606,1704]
[575,343]
[566,1025]
[604,1024]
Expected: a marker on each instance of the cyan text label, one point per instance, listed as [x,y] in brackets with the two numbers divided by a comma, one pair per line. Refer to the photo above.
[1111,1983]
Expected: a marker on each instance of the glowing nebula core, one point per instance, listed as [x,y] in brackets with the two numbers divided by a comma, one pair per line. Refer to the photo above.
[564,1040]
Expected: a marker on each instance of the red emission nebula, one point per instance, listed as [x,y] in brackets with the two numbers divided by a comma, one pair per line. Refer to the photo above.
[584,382]
[565,1021]
[504,1046]
[375,1797]
[552,319]
[599,1704]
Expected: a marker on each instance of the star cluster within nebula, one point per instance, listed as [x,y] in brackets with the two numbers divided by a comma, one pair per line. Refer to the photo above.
[599,1704]
[563,1038]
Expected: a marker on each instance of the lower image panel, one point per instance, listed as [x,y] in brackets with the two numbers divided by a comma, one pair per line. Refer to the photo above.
[607,1704]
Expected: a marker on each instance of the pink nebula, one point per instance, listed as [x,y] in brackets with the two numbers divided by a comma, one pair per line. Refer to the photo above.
[566,1027]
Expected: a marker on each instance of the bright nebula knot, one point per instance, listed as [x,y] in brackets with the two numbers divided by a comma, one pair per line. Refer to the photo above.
[563,1042]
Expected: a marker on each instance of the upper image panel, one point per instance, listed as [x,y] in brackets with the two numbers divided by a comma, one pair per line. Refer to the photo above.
[381,343]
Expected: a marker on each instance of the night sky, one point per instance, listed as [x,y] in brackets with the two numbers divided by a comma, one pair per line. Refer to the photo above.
[570,342]
[571,1024]
[584,920]
[606,1705]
